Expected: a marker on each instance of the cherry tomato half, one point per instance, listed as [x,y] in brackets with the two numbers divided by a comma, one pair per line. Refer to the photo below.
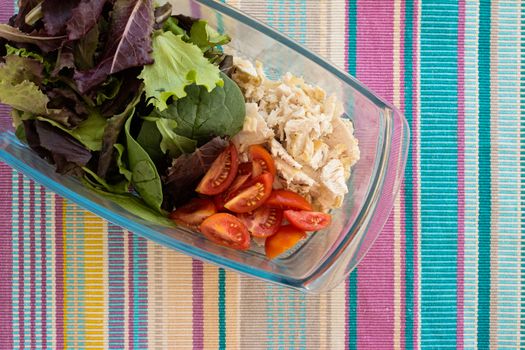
[263,221]
[193,213]
[285,199]
[245,169]
[285,238]
[252,197]
[260,155]
[221,174]
[308,220]
[227,230]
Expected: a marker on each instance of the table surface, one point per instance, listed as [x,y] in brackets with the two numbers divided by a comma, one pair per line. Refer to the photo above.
[446,271]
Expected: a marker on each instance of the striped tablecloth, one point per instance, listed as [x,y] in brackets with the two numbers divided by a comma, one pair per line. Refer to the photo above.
[445,273]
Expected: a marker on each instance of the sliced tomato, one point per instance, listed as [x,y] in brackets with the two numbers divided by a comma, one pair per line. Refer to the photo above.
[252,197]
[285,238]
[253,168]
[263,221]
[285,199]
[245,168]
[219,201]
[221,174]
[227,230]
[238,183]
[260,155]
[193,213]
[308,220]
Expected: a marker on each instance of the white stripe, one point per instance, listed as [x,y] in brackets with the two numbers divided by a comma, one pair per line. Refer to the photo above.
[471,174]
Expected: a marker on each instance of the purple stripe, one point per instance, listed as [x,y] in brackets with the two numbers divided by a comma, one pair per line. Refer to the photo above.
[6,236]
[131,289]
[142,290]
[59,271]
[116,286]
[198,305]
[195,9]
[21,328]
[32,253]
[43,263]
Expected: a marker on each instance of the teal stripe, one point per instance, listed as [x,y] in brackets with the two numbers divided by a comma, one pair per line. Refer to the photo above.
[439,22]
[352,36]
[352,284]
[222,309]
[409,190]
[522,165]
[352,312]
[484,194]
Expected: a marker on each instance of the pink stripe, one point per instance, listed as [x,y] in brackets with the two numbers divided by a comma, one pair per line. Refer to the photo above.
[21,259]
[195,9]
[43,263]
[198,305]
[59,271]
[6,249]
[32,297]
[415,169]
[402,190]
[131,289]
[375,318]
[461,173]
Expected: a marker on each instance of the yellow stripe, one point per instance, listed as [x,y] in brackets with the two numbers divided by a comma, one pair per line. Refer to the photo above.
[94,280]
[211,309]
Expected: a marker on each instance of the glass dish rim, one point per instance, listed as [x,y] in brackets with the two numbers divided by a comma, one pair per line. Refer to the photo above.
[366,212]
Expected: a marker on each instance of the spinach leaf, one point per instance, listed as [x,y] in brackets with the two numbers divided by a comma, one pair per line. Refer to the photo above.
[133,205]
[149,138]
[98,182]
[145,177]
[205,37]
[202,114]
[123,170]
[171,143]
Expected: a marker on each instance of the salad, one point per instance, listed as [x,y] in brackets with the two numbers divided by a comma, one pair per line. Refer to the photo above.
[152,111]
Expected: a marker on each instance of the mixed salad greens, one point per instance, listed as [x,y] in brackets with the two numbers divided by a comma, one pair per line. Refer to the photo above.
[115,91]
[139,104]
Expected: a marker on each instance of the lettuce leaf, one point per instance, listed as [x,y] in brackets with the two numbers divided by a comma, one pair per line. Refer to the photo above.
[128,44]
[205,37]
[56,15]
[19,77]
[177,65]
[89,132]
[84,17]
[45,43]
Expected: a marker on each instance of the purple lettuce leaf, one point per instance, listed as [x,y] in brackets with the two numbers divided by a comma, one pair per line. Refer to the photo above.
[128,45]
[187,170]
[84,17]
[45,43]
[56,14]
[24,7]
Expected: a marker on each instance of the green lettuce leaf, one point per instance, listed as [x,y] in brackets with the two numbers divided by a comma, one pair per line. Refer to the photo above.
[177,65]
[89,132]
[19,79]
[205,37]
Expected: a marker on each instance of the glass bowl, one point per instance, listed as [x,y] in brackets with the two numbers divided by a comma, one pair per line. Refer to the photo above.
[326,257]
